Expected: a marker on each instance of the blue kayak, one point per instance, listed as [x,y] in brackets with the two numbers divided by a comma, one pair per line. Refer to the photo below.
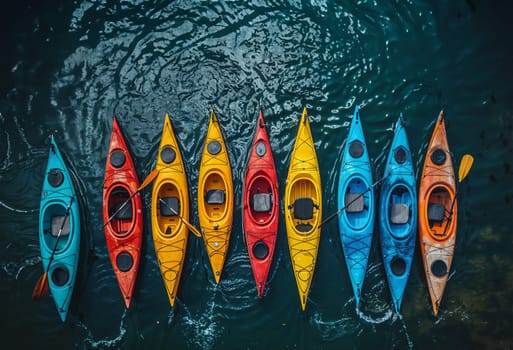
[59,230]
[356,197]
[398,214]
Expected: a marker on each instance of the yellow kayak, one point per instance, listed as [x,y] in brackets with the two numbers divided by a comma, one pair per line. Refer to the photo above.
[169,197]
[303,208]
[215,197]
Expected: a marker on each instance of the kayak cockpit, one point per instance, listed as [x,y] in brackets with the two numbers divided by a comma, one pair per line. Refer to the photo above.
[214,203]
[169,209]
[122,210]
[261,200]
[438,211]
[55,220]
[304,206]
[400,211]
[357,203]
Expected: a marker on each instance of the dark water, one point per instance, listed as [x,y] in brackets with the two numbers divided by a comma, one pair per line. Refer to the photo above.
[68,67]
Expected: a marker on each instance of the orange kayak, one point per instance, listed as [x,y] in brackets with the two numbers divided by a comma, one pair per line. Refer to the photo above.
[437,225]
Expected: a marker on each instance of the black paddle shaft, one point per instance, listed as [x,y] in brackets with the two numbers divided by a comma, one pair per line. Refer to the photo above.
[449,217]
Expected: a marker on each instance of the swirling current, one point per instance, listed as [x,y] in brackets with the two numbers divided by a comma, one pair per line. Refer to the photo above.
[69,66]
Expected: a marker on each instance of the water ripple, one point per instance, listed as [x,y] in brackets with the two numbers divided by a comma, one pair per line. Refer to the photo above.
[139,60]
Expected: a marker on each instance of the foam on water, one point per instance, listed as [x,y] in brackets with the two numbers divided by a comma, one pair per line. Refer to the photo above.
[331,329]
[22,211]
[204,329]
[109,343]
[14,269]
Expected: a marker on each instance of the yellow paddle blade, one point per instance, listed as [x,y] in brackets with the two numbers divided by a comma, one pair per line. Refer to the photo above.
[151,176]
[465,165]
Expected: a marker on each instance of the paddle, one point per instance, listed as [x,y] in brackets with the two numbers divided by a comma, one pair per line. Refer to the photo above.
[41,288]
[151,176]
[329,218]
[465,165]
[187,223]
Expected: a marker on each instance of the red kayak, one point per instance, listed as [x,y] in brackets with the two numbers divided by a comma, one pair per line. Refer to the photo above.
[124,209]
[260,205]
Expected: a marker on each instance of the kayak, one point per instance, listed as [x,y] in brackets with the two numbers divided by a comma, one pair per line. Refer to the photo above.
[123,206]
[303,208]
[437,232]
[169,201]
[398,214]
[260,209]
[215,197]
[59,230]
[355,194]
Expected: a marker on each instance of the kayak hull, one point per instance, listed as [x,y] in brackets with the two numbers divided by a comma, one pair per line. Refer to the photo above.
[355,193]
[215,197]
[398,215]
[123,233]
[169,197]
[437,228]
[303,208]
[260,210]
[57,195]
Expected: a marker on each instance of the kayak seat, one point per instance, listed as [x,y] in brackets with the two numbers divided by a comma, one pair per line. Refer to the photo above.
[261,202]
[355,202]
[215,197]
[436,212]
[125,213]
[399,213]
[303,208]
[57,223]
[169,206]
